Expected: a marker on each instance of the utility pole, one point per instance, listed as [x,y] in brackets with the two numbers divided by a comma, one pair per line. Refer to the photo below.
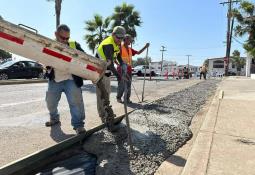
[230,25]
[162,50]
[188,63]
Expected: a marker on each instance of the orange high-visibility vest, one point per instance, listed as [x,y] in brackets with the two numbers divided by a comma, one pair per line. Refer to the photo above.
[126,55]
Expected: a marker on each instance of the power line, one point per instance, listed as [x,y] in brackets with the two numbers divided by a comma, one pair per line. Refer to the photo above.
[237,40]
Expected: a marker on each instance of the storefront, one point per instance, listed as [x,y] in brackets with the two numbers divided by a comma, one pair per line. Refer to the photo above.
[250,66]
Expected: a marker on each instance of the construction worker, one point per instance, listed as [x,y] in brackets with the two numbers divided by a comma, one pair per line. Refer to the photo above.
[203,71]
[109,51]
[59,82]
[126,55]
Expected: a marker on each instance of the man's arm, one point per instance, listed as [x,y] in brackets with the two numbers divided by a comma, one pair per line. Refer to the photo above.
[108,52]
[146,46]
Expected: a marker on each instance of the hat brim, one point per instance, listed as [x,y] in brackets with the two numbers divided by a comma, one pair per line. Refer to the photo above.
[120,36]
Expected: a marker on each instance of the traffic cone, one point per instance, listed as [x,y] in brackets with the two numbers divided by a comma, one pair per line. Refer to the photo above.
[166,75]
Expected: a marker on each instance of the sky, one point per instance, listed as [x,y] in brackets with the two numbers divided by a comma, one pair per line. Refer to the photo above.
[190,27]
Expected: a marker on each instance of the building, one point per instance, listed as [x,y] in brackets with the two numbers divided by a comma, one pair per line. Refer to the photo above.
[167,67]
[193,70]
[250,66]
[216,67]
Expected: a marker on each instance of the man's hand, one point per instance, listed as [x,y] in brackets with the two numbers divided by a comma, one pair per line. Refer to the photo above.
[147,45]
[109,62]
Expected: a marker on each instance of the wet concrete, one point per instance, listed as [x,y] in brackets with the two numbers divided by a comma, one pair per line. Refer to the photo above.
[158,130]
[78,164]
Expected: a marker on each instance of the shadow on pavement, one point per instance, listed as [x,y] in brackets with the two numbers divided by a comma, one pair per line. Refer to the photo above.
[135,105]
[92,88]
[177,160]
[58,135]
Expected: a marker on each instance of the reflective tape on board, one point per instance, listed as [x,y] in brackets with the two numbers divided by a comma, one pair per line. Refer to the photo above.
[47,51]
[93,68]
[56,54]
[11,38]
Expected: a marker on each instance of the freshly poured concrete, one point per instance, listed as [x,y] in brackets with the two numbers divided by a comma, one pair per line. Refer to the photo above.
[158,130]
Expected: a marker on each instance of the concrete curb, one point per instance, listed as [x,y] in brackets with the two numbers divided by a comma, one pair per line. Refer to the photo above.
[10,82]
[189,159]
[198,158]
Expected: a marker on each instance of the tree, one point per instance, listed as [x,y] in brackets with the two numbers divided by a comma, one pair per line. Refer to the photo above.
[99,29]
[246,24]
[237,61]
[206,62]
[4,54]
[57,10]
[126,16]
[141,61]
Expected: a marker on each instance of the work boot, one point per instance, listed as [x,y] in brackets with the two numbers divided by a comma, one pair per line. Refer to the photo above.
[52,123]
[119,100]
[80,130]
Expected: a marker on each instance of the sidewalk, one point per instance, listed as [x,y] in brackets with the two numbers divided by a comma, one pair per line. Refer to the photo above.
[225,142]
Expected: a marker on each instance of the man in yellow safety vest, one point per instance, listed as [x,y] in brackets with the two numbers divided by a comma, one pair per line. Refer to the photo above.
[109,51]
[60,81]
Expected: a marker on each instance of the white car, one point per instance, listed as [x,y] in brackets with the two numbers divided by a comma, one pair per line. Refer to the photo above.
[140,70]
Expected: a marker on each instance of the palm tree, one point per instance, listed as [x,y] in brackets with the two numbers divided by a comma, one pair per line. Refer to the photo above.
[246,24]
[238,61]
[4,54]
[99,29]
[126,16]
[57,10]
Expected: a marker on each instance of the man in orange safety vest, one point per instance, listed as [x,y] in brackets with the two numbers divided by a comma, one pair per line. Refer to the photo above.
[126,55]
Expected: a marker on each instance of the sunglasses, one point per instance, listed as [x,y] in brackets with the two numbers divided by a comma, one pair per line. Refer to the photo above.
[64,38]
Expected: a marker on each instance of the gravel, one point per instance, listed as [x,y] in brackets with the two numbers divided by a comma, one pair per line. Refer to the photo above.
[158,130]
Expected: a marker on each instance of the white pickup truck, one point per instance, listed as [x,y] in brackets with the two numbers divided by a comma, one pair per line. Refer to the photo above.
[140,70]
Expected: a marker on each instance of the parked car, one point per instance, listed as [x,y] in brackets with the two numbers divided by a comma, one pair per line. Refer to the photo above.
[230,73]
[20,69]
[140,70]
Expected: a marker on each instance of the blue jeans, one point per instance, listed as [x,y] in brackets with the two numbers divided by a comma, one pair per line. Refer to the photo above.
[121,88]
[74,98]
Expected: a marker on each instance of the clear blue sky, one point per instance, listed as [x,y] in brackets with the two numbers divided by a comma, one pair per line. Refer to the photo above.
[195,27]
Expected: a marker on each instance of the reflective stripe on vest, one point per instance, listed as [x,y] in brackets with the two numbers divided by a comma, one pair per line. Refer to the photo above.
[72,44]
[126,55]
[107,41]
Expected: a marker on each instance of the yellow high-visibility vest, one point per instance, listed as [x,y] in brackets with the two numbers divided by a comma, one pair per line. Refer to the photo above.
[72,44]
[107,41]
